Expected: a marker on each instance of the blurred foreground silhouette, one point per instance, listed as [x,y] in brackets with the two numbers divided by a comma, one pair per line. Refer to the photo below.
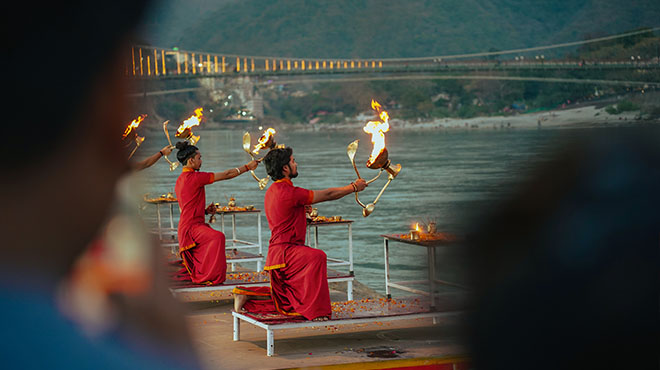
[66,106]
[566,270]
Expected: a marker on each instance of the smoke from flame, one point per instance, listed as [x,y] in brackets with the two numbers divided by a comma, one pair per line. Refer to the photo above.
[377,130]
[134,125]
[194,120]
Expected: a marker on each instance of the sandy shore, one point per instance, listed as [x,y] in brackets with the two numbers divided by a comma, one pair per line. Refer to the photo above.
[586,116]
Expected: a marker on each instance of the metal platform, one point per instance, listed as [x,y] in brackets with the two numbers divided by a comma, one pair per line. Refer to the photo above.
[250,278]
[233,256]
[351,313]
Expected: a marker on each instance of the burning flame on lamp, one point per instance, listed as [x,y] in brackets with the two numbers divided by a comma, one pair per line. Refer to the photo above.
[265,141]
[377,129]
[185,129]
[134,125]
[378,160]
[415,233]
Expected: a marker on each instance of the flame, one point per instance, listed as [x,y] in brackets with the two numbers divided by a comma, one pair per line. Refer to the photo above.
[194,120]
[417,226]
[134,125]
[377,130]
[264,140]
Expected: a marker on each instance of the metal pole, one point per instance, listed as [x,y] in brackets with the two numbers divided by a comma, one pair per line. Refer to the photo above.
[259,236]
[233,230]
[316,237]
[387,268]
[350,249]
[237,329]
[270,342]
[160,231]
[172,215]
[431,253]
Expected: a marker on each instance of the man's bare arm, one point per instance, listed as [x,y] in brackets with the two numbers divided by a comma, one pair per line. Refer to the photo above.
[233,172]
[149,161]
[339,192]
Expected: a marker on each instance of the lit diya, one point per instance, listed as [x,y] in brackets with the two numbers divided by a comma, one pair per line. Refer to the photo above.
[379,157]
[185,129]
[132,127]
[266,141]
[428,234]
[173,165]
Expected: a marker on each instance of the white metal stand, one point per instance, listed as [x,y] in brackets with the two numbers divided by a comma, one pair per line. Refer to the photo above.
[431,281]
[239,244]
[335,261]
[166,235]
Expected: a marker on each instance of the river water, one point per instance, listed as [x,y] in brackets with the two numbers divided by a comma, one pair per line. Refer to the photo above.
[448,176]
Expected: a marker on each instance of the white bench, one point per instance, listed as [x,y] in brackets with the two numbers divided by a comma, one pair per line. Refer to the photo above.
[253,278]
[347,313]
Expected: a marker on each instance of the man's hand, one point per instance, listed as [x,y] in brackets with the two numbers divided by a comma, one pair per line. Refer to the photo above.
[361,184]
[252,165]
[210,209]
[166,150]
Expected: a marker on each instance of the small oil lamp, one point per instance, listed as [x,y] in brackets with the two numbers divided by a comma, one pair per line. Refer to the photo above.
[215,209]
[415,233]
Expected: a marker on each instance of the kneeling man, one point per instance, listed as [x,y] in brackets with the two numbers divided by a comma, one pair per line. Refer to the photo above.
[298,273]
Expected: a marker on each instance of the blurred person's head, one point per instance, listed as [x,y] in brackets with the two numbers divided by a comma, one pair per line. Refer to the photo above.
[67,101]
[280,163]
[565,272]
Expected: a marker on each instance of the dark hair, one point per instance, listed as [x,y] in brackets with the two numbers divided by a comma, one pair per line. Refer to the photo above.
[185,151]
[275,161]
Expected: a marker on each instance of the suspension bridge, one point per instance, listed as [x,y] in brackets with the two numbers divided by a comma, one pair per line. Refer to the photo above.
[150,63]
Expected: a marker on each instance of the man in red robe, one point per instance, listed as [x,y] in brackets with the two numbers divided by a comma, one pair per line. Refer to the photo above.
[298,273]
[202,248]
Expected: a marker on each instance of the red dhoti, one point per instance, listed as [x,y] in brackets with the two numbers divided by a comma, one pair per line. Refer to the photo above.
[206,261]
[201,247]
[299,288]
[298,274]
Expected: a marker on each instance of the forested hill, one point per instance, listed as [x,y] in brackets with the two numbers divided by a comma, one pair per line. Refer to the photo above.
[389,28]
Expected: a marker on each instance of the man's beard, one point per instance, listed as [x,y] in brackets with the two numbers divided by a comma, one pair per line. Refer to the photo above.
[293,175]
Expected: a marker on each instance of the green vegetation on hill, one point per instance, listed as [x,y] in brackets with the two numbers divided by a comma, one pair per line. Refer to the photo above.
[412,28]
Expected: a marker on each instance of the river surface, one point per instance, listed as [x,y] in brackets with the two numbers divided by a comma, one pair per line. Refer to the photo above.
[449,177]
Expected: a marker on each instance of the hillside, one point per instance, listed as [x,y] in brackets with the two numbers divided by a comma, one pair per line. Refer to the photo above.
[388,28]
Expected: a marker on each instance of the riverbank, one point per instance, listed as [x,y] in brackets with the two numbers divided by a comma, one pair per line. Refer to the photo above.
[584,116]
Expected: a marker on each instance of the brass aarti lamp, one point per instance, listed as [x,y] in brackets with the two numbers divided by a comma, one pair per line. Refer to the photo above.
[173,165]
[132,127]
[138,141]
[265,141]
[185,129]
[379,158]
